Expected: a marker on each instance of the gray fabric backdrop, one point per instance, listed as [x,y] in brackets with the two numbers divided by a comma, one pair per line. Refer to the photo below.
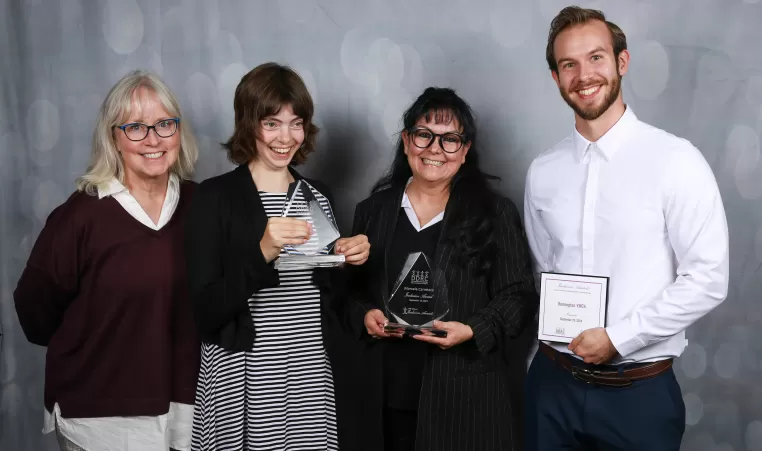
[696,71]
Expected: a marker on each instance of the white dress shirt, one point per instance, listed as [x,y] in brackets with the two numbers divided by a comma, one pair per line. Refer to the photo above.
[642,207]
[410,212]
[139,433]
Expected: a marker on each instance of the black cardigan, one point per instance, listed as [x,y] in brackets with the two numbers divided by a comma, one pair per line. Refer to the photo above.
[225,263]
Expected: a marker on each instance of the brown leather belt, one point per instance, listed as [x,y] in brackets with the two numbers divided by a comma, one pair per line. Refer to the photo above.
[613,378]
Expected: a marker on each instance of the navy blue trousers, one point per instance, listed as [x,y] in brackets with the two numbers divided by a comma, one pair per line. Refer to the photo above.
[563,413]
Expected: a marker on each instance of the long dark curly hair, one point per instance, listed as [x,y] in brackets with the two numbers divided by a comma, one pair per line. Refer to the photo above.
[472,216]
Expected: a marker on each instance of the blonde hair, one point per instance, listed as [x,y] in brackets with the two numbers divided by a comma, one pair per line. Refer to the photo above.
[105,161]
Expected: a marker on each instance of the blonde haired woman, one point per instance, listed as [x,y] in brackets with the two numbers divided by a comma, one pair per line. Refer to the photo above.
[105,288]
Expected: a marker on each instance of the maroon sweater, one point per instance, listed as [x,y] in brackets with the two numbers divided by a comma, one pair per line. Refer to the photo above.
[108,297]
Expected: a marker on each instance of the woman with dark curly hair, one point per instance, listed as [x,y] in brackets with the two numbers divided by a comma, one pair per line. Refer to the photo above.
[427,392]
[266,379]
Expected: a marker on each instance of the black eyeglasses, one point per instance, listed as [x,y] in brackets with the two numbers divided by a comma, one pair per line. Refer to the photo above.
[422,138]
[136,131]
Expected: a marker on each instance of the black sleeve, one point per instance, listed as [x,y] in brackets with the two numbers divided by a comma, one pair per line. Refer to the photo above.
[359,301]
[222,277]
[513,299]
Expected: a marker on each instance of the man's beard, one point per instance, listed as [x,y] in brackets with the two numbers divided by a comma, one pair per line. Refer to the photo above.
[593,113]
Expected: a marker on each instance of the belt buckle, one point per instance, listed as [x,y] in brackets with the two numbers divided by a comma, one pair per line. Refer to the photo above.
[584,375]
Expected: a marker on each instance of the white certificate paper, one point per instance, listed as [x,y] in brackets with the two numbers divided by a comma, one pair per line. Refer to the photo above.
[569,304]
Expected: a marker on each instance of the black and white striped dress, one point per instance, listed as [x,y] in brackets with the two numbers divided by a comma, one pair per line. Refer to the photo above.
[279,395]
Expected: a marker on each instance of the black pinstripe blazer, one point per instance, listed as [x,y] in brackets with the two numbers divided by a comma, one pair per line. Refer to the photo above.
[466,402]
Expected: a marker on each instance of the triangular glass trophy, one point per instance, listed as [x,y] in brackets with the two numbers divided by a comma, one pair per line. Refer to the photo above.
[302,203]
[418,299]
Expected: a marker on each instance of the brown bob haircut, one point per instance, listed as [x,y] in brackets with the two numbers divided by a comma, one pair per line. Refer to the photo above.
[262,93]
[574,15]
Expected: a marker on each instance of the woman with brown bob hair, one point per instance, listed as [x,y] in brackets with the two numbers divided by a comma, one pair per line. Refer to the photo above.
[266,380]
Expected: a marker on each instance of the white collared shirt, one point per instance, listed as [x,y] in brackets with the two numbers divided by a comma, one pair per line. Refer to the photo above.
[410,212]
[642,207]
[139,433]
[121,194]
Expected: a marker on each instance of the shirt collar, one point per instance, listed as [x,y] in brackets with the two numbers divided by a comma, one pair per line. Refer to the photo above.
[610,142]
[114,186]
[410,212]
[406,200]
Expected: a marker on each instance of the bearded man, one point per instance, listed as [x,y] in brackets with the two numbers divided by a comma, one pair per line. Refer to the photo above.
[622,200]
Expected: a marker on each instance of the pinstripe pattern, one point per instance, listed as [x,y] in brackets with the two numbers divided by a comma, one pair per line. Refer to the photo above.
[278,395]
[465,401]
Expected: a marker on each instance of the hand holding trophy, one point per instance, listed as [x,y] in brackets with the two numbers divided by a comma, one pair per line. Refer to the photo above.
[302,203]
[418,299]
[283,231]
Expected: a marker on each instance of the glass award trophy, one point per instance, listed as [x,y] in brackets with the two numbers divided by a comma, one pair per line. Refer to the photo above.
[302,203]
[418,299]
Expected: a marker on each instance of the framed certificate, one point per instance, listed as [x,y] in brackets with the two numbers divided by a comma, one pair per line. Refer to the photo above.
[571,303]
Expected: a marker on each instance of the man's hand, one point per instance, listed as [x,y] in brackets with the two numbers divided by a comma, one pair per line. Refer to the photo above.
[594,346]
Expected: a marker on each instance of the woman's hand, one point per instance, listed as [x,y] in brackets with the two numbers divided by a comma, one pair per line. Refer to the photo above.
[282,231]
[457,333]
[375,322]
[355,249]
